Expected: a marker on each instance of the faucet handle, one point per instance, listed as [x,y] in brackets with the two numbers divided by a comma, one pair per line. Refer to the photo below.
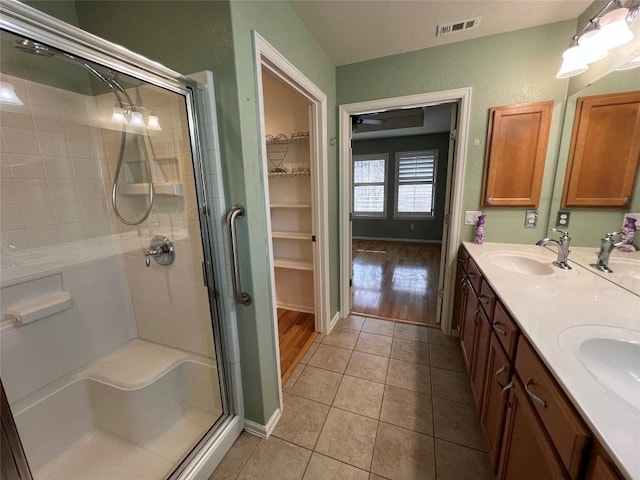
[562,233]
[612,234]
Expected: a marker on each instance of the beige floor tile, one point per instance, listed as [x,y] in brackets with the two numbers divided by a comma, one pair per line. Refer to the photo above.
[407,409]
[341,337]
[375,344]
[287,387]
[348,437]
[317,384]
[410,351]
[436,337]
[381,327]
[451,386]
[367,366]
[325,468]
[410,376]
[448,358]
[236,457]
[359,396]
[307,356]
[401,454]
[411,332]
[373,476]
[331,358]
[319,338]
[352,322]
[454,462]
[301,421]
[457,423]
[275,459]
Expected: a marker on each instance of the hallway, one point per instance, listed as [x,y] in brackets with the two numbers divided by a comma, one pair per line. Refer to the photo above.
[373,400]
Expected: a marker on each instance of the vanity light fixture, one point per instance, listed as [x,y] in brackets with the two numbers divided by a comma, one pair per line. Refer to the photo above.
[124,114]
[153,123]
[136,120]
[607,30]
[118,116]
[633,62]
[8,94]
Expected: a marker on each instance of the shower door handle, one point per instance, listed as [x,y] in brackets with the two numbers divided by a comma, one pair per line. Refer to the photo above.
[236,212]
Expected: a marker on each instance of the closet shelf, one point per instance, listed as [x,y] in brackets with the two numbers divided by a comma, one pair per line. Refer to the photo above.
[290,173]
[292,264]
[291,235]
[281,138]
[170,189]
[290,205]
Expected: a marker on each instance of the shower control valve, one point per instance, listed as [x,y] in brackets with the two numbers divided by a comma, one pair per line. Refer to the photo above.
[162,251]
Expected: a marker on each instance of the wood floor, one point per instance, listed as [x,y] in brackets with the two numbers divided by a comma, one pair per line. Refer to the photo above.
[296,332]
[396,280]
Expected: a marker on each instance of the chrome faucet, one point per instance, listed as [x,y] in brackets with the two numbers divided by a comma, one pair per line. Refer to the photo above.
[563,248]
[606,247]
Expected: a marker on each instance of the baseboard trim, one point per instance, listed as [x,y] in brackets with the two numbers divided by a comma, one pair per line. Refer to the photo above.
[263,431]
[333,322]
[406,240]
[296,308]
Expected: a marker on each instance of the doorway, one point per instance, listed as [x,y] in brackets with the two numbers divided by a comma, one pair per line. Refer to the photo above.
[293,126]
[414,278]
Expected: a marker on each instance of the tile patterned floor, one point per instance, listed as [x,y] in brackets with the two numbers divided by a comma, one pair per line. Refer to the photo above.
[373,400]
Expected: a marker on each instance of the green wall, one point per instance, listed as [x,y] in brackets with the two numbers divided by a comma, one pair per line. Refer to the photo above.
[277,23]
[389,227]
[502,69]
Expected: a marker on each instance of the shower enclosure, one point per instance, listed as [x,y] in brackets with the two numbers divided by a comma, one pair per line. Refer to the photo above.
[113,340]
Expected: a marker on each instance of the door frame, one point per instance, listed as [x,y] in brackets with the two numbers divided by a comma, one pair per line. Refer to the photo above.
[265,55]
[462,96]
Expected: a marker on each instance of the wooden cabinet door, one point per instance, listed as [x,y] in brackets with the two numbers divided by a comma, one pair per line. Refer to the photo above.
[469,326]
[516,153]
[479,364]
[600,467]
[498,378]
[460,298]
[526,453]
[605,151]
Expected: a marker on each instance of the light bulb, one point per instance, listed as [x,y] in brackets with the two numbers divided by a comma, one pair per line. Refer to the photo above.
[8,94]
[136,120]
[153,122]
[118,116]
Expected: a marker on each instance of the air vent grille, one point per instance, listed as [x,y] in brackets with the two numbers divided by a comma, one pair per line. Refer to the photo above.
[459,26]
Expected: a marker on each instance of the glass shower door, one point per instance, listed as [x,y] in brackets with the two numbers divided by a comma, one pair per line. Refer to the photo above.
[110,341]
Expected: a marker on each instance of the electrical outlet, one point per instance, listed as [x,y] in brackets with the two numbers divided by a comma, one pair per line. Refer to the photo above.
[562,219]
[531,219]
[471,217]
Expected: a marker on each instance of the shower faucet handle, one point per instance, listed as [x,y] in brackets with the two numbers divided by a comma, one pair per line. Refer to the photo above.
[162,251]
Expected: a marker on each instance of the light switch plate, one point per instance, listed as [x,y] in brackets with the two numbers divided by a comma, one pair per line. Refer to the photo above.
[562,219]
[471,217]
[531,219]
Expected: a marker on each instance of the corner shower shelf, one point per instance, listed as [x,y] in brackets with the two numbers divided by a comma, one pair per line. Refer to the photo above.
[168,189]
[291,235]
[292,264]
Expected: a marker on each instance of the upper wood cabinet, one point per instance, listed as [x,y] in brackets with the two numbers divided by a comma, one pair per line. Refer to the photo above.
[605,151]
[516,152]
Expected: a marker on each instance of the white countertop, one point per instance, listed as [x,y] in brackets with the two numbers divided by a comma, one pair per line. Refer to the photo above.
[544,307]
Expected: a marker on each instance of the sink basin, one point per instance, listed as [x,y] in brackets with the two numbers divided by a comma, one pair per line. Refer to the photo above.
[520,263]
[610,355]
[625,267]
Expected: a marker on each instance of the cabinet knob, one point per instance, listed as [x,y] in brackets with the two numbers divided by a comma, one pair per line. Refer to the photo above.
[626,200]
[489,199]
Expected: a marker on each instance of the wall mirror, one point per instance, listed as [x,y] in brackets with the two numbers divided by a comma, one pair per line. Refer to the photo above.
[588,225]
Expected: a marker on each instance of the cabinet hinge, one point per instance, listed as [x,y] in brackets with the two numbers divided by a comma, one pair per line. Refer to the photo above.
[351,216]
[453,135]
[440,293]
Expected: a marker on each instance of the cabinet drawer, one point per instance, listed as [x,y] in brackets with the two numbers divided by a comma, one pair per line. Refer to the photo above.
[475,277]
[570,437]
[505,329]
[487,298]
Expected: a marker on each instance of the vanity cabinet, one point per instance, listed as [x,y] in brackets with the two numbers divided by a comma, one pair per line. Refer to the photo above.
[516,141]
[605,151]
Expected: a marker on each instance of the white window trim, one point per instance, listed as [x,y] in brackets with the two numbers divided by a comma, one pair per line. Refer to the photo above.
[385,184]
[396,185]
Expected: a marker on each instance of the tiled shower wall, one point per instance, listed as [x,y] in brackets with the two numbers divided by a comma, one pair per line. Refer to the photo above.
[57,164]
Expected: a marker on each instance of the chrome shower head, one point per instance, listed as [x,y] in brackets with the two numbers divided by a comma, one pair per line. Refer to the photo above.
[34,48]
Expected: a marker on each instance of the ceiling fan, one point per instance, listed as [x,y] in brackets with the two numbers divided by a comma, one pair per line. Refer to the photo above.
[364,119]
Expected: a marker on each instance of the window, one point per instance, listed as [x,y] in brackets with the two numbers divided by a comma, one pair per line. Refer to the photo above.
[415,183]
[369,186]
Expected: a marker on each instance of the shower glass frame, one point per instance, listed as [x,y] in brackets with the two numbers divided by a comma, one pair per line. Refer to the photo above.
[29,23]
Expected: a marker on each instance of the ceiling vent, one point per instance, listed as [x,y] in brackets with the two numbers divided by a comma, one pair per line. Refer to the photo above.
[459,26]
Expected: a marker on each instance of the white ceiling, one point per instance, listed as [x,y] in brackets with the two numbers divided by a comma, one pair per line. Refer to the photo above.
[355,30]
